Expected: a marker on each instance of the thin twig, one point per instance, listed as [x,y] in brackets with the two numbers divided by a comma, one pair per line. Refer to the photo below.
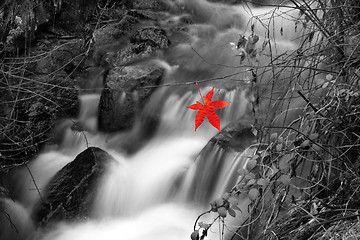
[35,184]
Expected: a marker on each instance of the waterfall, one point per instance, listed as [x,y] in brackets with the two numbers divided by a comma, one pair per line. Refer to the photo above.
[144,195]
[158,192]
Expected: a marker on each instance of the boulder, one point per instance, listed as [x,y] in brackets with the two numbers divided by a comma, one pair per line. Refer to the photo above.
[124,95]
[151,36]
[111,33]
[146,43]
[111,39]
[114,38]
[71,192]
[236,136]
[147,15]
[218,155]
[154,5]
[112,45]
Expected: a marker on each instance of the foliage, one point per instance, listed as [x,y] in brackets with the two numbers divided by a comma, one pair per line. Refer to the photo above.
[207,109]
[302,179]
[39,66]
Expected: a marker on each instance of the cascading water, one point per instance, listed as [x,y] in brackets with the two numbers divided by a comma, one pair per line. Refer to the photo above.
[142,196]
[158,192]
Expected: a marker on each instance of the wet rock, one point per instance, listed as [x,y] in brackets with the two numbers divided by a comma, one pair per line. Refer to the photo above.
[125,94]
[145,45]
[71,193]
[113,32]
[132,55]
[151,36]
[111,39]
[215,156]
[92,80]
[155,5]
[236,136]
[147,15]
[112,45]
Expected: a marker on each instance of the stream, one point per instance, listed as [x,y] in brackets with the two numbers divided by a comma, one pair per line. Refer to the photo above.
[158,192]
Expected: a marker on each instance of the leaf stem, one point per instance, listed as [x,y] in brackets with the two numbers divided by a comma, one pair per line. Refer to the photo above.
[202,99]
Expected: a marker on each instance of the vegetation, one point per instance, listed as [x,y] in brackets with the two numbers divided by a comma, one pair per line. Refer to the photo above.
[308,170]
[44,55]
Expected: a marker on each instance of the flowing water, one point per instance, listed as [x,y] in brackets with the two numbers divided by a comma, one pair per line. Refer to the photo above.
[158,192]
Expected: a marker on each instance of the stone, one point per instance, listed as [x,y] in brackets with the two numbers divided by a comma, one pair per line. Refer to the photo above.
[113,32]
[151,36]
[125,94]
[147,43]
[111,39]
[71,192]
[147,15]
[155,5]
[236,136]
[112,45]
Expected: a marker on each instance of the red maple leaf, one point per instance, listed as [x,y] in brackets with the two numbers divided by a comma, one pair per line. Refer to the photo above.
[207,109]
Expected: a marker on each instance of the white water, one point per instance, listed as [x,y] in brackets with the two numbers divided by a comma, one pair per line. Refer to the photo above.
[158,192]
[143,196]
